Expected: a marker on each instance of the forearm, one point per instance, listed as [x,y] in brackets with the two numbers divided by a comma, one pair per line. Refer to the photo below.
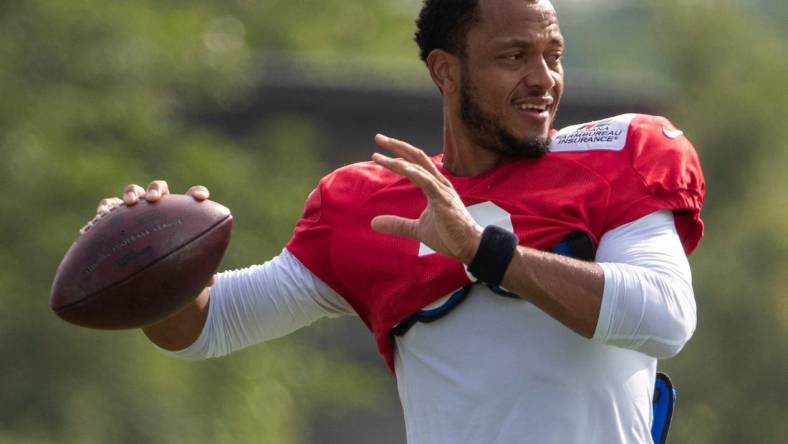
[567,289]
[257,304]
[637,296]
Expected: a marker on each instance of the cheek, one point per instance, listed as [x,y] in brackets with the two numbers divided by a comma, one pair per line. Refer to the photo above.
[558,77]
[497,83]
[493,95]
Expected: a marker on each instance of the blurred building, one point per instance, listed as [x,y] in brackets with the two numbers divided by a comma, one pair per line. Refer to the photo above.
[353,103]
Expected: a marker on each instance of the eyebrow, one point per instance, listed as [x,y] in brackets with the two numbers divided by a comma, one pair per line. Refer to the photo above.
[522,43]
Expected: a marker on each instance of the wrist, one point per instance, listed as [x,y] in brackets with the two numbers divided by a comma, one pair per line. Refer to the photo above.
[474,238]
[494,253]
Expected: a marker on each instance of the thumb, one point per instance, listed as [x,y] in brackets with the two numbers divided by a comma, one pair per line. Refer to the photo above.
[395,225]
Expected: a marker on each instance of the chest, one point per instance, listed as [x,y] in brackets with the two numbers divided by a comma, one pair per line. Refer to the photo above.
[542,206]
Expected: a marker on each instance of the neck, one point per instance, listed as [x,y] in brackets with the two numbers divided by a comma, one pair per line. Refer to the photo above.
[463,157]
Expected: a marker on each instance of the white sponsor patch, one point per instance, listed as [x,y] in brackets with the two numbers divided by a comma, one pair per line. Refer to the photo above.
[608,134]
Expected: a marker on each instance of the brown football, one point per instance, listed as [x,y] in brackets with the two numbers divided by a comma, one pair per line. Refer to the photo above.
[139,264]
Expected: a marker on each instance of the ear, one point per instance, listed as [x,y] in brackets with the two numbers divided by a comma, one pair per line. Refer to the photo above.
[444,70]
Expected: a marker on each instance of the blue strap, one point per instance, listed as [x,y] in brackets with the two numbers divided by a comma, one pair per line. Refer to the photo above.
[577,245]
[663,404]
[432,314]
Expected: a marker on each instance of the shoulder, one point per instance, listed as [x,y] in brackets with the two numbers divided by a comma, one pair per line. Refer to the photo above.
[648,163]
[361,176]
[352,184]
[650,146]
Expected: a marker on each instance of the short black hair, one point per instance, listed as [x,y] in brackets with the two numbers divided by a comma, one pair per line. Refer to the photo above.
[444,24]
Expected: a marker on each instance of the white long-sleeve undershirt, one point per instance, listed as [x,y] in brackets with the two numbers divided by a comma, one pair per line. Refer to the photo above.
[260,303]
[648,303]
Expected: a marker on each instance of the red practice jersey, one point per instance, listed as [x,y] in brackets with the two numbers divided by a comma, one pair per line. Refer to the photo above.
[596,177]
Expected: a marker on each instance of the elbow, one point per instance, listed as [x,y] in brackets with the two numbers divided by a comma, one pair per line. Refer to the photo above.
[662,341]
[672,342]
[675,329]
[658,319]
[667,352]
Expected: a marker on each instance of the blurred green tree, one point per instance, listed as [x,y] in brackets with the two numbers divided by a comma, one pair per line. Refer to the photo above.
[92,98]
[729,68]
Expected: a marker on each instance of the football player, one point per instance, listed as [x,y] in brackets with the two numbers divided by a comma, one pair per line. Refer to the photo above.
[522,284]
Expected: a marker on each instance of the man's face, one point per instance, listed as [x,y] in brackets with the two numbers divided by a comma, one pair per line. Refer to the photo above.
[511,77]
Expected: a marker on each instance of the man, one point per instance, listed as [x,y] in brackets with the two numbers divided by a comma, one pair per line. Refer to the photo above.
[474,268]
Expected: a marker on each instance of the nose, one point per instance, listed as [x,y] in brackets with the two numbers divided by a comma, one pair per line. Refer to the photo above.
[540,75]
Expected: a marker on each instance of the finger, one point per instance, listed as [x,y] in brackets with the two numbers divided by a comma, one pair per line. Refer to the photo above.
[132,194]
[428,183]
[156,189]
[415,173]
[198,192]
[107,205]
[409,152]
[395,225]
[212,282]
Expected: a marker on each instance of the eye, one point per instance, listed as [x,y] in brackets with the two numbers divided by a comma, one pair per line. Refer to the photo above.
[553,58]
[514,56]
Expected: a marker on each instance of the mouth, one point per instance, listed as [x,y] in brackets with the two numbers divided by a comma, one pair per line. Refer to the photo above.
[535,108]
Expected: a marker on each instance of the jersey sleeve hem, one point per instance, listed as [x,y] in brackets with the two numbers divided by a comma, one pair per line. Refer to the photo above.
[686,208]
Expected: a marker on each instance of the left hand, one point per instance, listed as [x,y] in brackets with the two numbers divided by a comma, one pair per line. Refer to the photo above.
[445,225]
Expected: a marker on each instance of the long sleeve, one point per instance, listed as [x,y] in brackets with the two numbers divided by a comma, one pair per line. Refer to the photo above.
[648,302]
[260,303]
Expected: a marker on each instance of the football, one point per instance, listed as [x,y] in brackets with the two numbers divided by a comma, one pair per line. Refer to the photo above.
[139,264]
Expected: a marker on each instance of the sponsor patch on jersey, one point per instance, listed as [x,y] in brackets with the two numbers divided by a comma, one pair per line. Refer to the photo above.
[608,134]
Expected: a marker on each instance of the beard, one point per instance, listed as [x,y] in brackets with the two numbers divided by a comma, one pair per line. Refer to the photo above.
[486,131]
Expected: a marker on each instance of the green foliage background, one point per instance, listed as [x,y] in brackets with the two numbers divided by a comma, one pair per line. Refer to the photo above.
[91,98]
[729,68]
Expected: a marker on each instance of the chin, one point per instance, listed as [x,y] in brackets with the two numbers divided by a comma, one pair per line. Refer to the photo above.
[511,145]
[532,134]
